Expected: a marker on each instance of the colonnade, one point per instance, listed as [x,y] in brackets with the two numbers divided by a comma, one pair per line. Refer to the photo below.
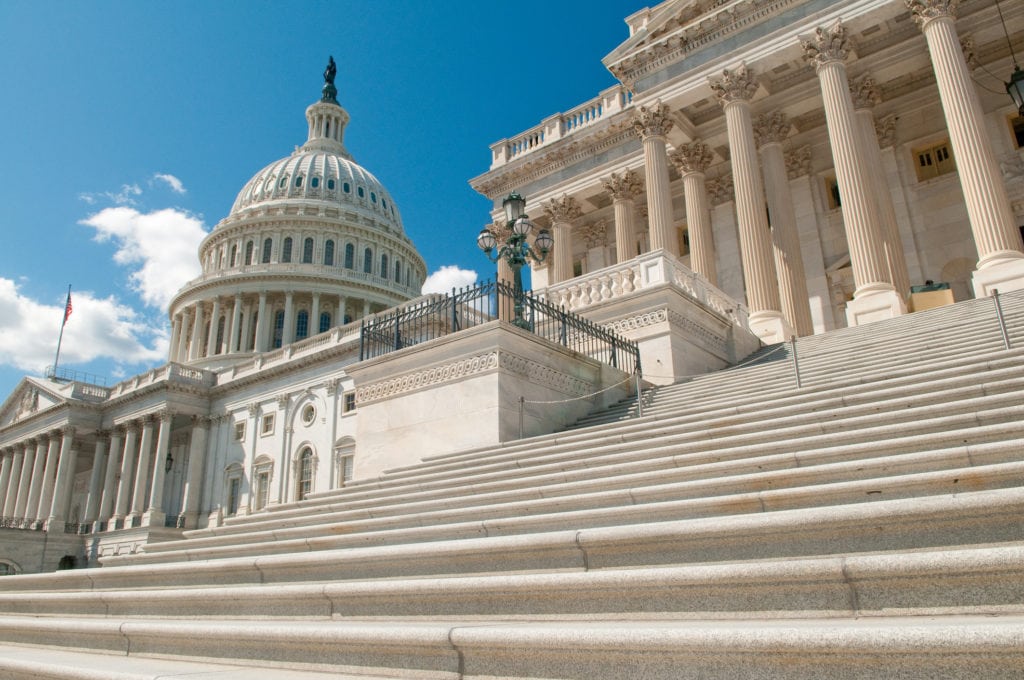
[126,482]
[772,266]
[248,322]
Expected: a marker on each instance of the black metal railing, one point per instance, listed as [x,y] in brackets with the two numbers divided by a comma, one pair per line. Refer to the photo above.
[68,375]
[476,305]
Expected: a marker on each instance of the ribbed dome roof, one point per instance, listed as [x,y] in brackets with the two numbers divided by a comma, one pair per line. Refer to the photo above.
[321,176]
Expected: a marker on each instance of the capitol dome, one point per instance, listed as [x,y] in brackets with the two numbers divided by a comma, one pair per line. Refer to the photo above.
[312,241]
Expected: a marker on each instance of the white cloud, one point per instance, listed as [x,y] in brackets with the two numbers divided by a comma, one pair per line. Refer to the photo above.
[447,277]
[170,180]
[99,328]
[126,196]
[161,246]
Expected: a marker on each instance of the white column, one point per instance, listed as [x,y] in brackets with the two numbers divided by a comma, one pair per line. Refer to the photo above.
[35,490]
[235,325]
[770,131]
[175,338]
[874,297]
[562,211]
[5,475]
[624,189]
[11,497]
[1000,251]
[288,332]
[261,325]
[114,450]
[196,460]
[314,315]
[766,320]
[25,485]
[155,512]
[865,95]
[182,355]
[124,487]
[195,351]
[211,339]
[92,502]
[342,304]
[141,486]
[64,483]
[49,475]
[651,126]
[692,160]
[366,308]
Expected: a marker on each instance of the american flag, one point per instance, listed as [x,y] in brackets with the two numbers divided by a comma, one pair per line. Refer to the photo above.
[67,308]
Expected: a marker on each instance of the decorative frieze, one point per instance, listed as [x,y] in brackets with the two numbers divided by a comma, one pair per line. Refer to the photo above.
[771,128]
[653,121]
[735,85]
[798,162]
[695,156]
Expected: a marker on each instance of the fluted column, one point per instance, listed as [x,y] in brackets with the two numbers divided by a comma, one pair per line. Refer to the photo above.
[175,338]
[245,330]
[261,324]
[99,456]
[314,315]
[212,348]
[234,325]
[25,478]
[735,91]
[874,298]
[141,487]
[770,131]
[624,189]
[11,497]
[196,463]
[562,211]
[692,161]
[49,478]
[182,355]
[124,487]
[651,126]
[288,332]
[114,449]
[64,482]
[195,351]
[342,307]
[865,96]
[5,475]
[366,309]
[1000,256]
[155,512]
[36,487]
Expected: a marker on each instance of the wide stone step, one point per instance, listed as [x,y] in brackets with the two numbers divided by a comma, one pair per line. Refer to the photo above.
[869,647]
[978,580]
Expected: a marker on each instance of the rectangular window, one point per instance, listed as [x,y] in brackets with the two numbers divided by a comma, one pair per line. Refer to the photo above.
[350,402]
[240,431]
[234,494]
[267,424]
[1017,130]
[262,489]
[935,160]
[345,467]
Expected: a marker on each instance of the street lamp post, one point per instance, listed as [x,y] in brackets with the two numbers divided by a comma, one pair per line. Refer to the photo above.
[516,250]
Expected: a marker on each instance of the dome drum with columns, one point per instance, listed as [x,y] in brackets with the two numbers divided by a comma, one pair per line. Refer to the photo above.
[313,240]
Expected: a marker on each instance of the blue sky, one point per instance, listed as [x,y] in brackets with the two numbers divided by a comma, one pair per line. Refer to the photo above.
[127,129]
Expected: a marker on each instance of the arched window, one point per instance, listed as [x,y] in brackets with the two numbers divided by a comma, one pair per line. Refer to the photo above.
[307,251]
[284,182]
[384,266]
[330,185]
[267,245]
[346,188]
[361,193]
[278,328]
[220,336]
[368,261]
[302,325]
[350,256]
[234,255]
[329,253]
[304,478]
[325,322]
[298,181]
[248,252]
[286,250]
[398,270]
[314,182]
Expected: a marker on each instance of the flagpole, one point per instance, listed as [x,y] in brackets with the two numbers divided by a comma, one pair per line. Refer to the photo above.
[60,338]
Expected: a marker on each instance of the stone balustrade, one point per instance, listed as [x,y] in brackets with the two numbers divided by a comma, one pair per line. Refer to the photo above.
[332,271]
[561,125]
[645,271]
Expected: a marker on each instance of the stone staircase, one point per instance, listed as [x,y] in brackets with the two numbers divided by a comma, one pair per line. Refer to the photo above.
[865,524]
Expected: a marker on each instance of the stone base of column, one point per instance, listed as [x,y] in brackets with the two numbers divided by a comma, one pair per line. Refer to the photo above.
[153,518]
[1003,275]
[54,525]
[770,326]
[870,305]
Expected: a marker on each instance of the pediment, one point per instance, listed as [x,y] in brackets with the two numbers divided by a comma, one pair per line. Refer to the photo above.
[656,22]
[31,396]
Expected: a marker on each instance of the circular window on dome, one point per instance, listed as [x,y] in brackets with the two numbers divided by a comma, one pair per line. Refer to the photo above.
[308,414]
[361,192]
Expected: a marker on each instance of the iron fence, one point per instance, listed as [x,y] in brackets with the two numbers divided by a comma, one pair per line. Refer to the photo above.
[442,315]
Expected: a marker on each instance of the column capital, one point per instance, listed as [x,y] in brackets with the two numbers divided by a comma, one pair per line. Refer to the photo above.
[926,10]
[652,121]
[737,84]
[595,234]
[720,189]
[102,435]
[692,157]
[163,415]
[564,209]
[771,128]
[798,162]
[282,401]
[624,187]
[331,386]
[885,130]
[828,45]
[865,92]
[204,421]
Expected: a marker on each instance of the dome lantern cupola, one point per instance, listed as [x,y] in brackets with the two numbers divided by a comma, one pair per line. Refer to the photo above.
[326,118]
